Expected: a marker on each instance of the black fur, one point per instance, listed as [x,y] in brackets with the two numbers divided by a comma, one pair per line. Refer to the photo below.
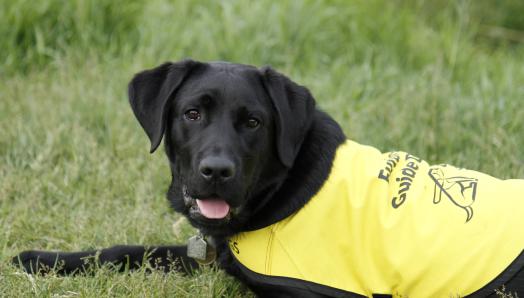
[250,137]
[278,165]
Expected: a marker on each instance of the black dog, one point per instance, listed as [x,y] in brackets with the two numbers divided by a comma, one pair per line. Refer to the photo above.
[247,150]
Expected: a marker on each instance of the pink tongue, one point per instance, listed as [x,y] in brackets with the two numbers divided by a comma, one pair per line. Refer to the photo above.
[214,209]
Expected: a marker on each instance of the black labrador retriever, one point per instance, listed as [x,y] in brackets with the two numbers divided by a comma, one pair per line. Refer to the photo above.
[291,208]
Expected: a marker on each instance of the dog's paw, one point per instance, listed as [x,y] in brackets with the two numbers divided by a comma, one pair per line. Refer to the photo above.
[36,262]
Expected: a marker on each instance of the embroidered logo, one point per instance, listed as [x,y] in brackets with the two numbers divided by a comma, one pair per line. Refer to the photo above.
[460,190]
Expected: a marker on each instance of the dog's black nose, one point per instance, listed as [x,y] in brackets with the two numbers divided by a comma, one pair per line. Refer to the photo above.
[216,169]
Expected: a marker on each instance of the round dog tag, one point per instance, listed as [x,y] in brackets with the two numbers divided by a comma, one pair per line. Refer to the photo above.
[211,256]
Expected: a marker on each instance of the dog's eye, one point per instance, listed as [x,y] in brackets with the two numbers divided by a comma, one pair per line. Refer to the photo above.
[252,123]
[192,115]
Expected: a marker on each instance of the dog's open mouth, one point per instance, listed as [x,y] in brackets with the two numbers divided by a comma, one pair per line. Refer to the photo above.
[212,207]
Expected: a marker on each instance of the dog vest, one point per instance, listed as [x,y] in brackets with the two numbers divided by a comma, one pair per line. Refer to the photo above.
[392,224]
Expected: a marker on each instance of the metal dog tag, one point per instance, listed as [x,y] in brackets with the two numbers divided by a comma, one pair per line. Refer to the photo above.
[211,256]
[197,247]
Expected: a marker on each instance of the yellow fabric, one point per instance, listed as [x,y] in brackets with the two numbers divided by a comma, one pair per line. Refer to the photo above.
[391,224]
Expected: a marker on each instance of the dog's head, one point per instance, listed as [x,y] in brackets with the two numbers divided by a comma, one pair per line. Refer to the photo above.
[231,134]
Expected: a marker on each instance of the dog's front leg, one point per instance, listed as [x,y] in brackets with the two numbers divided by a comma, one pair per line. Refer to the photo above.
[121,257]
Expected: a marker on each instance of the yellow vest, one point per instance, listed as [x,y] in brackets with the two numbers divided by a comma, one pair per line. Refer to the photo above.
[392,224]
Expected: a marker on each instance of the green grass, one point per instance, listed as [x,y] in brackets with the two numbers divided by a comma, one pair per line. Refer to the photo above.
[435,78]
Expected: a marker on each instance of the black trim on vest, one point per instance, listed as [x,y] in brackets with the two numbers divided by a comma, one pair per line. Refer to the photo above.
[260,280]
[501,279]
[256,279]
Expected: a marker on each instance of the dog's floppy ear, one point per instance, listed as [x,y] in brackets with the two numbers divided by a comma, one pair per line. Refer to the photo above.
[294,106]
[150,92]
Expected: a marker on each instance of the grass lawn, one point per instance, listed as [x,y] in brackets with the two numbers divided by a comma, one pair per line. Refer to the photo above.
[441,79]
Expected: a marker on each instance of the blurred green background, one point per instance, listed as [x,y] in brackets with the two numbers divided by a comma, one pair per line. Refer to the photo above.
[441,79]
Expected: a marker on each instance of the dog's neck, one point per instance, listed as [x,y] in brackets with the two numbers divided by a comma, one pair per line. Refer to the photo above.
[311,169]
